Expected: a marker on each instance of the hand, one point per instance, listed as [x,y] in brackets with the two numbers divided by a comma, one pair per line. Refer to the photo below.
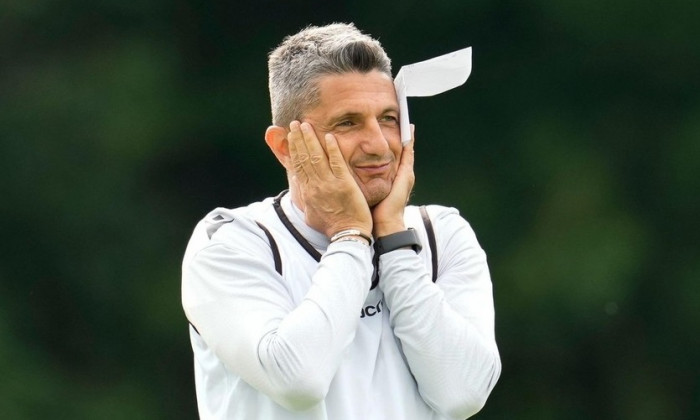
[321,181]
[388,214]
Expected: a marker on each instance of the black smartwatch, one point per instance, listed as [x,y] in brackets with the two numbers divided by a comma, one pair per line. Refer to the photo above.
[397,240]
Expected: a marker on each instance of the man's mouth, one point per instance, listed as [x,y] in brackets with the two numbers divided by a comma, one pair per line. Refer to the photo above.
[373,169]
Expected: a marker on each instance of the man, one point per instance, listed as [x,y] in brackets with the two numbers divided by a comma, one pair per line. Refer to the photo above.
[320,303]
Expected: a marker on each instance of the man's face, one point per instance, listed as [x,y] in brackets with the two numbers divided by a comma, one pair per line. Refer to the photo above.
[361,111]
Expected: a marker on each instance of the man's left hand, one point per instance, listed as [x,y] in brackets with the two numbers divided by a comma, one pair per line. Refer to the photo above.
[388,214]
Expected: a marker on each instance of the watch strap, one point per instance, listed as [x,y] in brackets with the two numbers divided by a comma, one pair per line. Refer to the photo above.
[397,240]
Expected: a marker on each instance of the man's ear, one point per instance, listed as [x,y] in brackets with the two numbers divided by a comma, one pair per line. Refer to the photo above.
[276,139]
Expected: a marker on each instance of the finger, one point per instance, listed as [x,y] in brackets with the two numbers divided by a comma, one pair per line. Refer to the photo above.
[317,156]
[408,153]
[409,149]
[339,168]
[405,177]
[298,157]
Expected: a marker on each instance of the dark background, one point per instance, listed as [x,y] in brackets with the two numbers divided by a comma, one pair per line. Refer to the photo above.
[573,150]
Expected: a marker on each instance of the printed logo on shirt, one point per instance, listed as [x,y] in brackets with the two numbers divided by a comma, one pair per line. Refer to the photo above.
[372,310]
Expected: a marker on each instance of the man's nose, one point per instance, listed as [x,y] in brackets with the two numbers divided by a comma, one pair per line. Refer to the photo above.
[374,142]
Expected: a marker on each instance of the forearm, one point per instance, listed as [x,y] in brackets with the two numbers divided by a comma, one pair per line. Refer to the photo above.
[303,353]
[288,352]
[454,364]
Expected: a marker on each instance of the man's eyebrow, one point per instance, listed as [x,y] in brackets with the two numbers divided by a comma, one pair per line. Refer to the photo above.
[390,109]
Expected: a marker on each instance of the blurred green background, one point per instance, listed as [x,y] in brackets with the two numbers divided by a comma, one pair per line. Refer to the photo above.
[573,149]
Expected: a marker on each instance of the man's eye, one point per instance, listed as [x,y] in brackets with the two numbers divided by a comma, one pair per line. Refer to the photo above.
[346,123]
[389,118]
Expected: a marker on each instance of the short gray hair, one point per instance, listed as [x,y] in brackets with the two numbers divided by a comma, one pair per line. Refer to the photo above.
[301,59]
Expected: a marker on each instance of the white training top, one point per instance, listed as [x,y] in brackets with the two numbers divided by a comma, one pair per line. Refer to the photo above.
[316,342]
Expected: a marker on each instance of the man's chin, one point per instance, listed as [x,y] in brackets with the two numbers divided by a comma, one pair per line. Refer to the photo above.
[375,190]
[375,197]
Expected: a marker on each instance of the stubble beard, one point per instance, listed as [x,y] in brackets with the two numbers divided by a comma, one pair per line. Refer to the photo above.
[374,194]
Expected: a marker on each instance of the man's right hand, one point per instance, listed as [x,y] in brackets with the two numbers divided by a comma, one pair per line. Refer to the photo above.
[328,194]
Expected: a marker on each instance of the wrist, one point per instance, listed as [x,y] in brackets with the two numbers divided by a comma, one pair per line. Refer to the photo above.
[384,229]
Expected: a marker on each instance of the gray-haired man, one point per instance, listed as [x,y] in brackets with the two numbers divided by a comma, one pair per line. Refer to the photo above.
[336,299]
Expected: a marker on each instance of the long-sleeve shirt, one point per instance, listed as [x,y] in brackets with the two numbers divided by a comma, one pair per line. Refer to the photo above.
[317,342]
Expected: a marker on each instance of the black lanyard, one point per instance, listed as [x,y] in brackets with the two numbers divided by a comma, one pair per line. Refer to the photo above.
[307,246]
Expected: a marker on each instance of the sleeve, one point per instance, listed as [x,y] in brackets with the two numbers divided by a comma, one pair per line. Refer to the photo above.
[446,328]
[243,310]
